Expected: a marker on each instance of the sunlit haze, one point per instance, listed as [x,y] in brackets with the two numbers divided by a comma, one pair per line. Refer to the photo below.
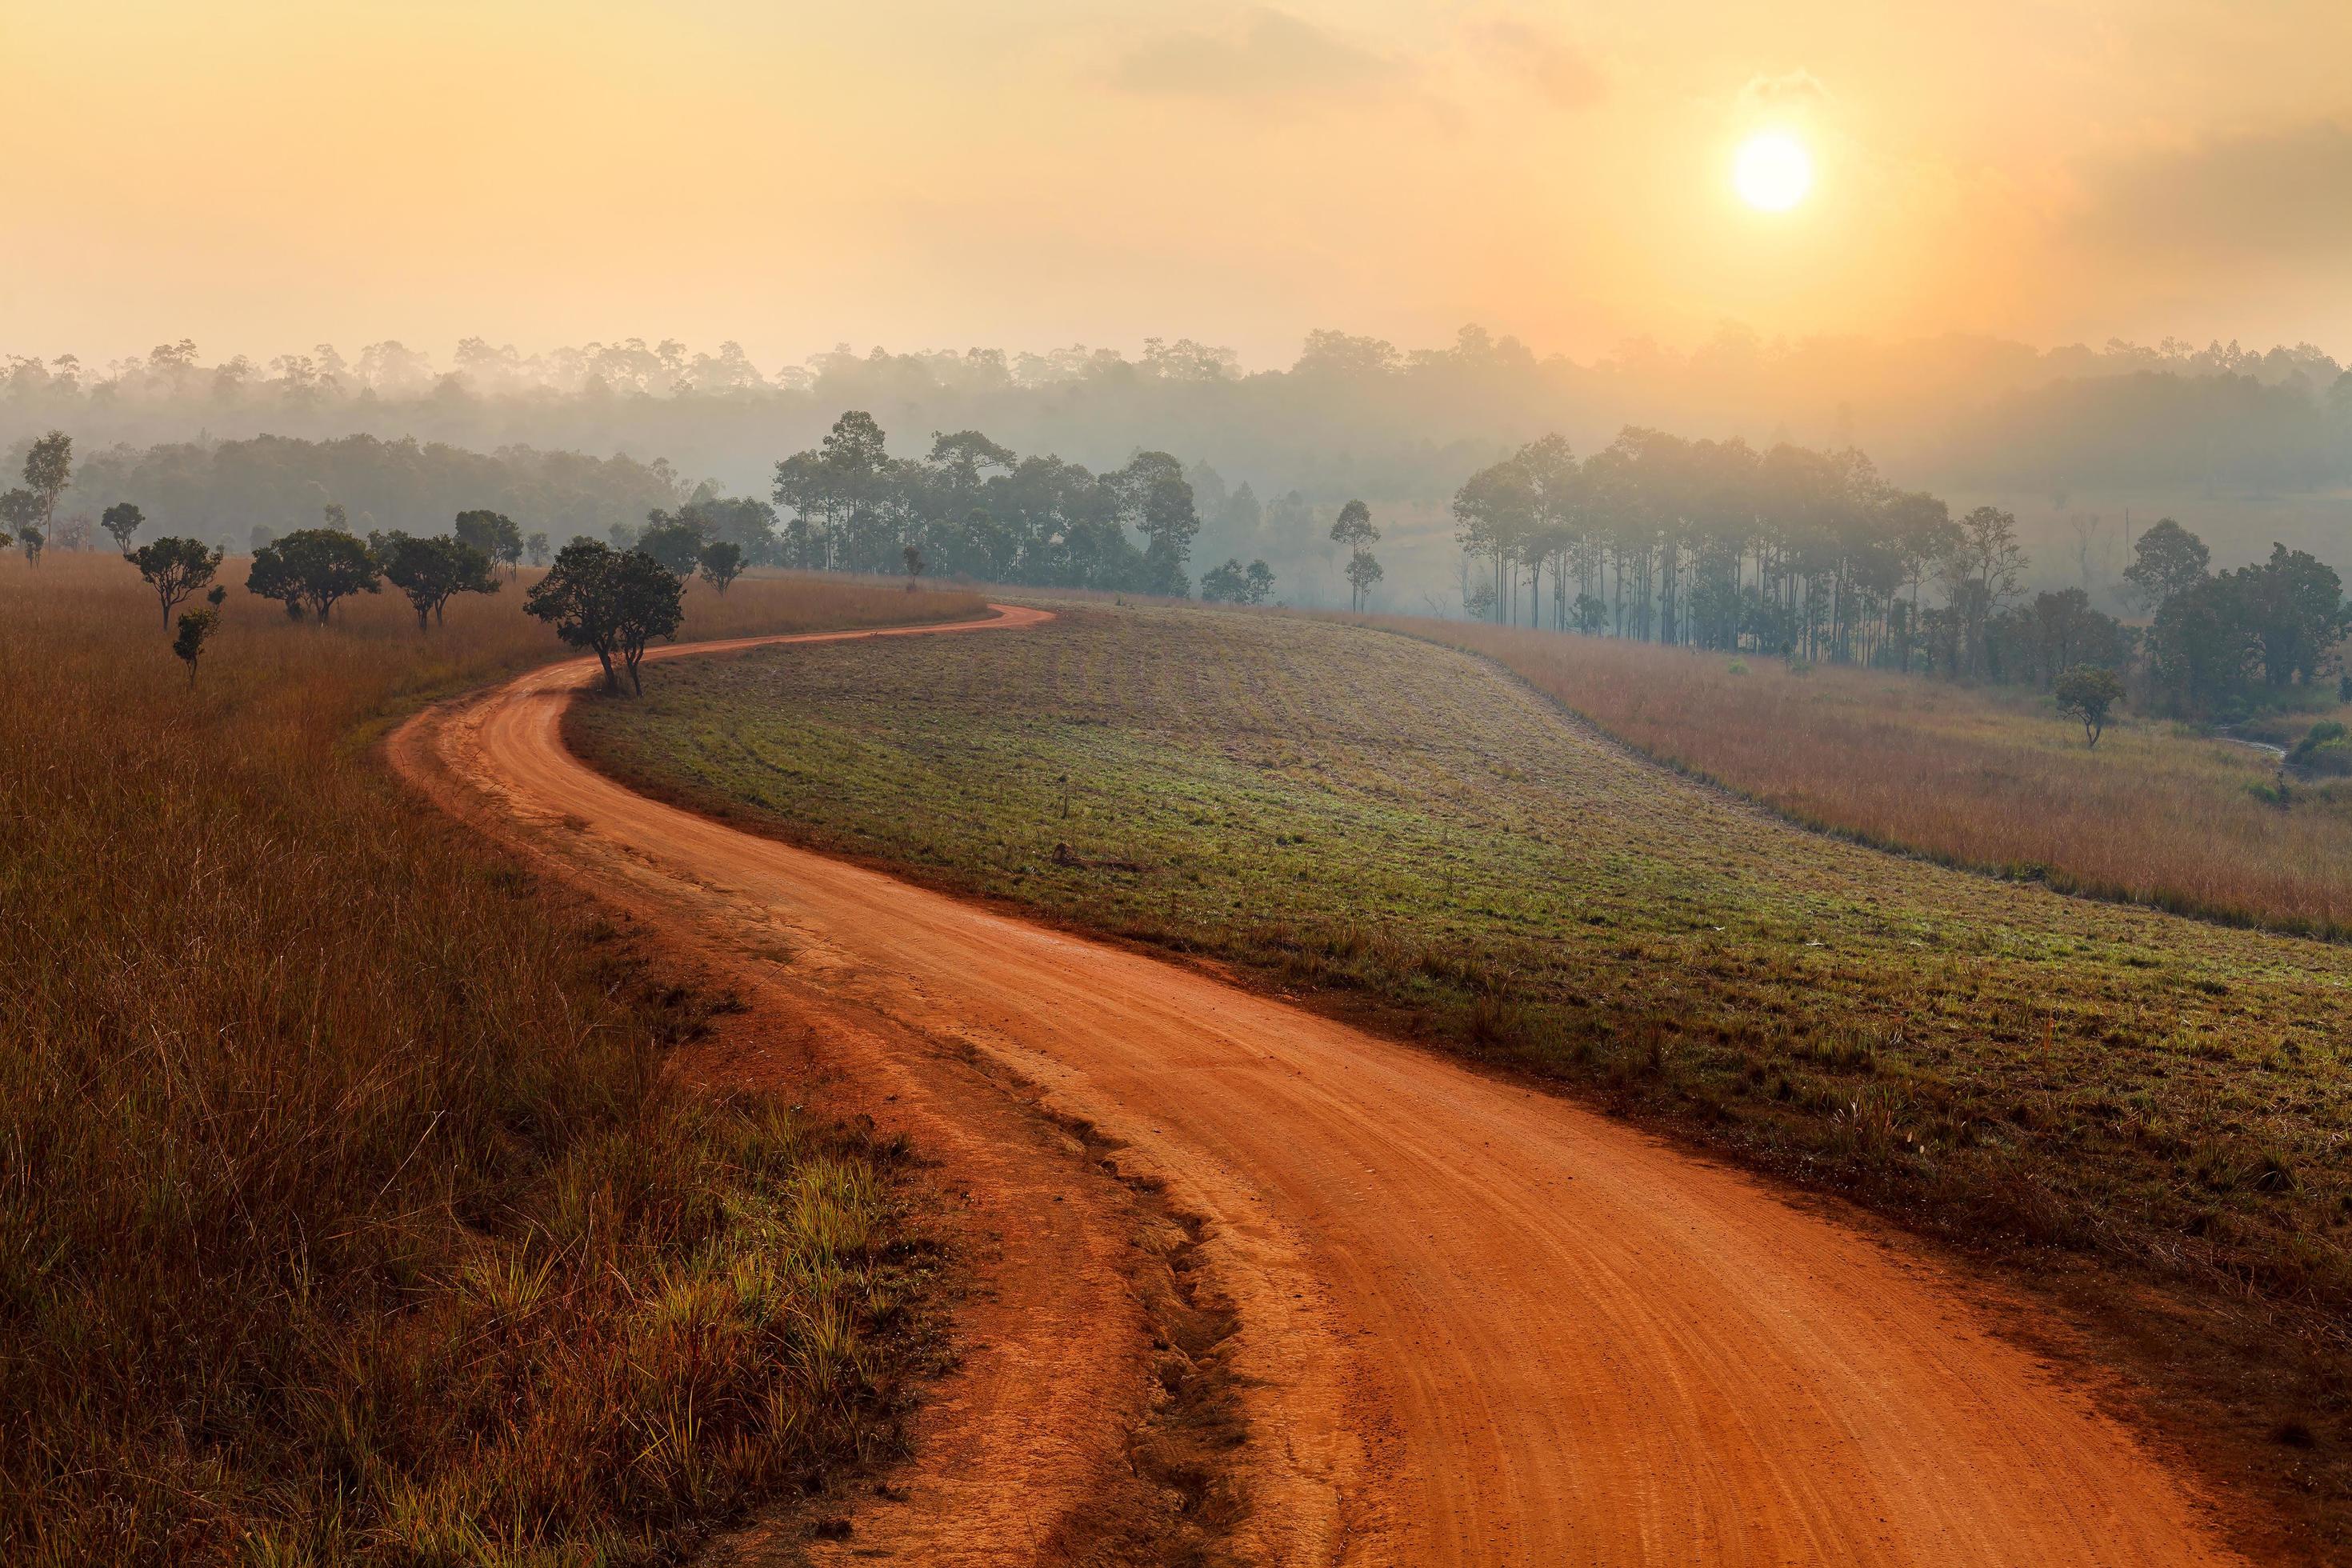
[262,176]
[1772,172]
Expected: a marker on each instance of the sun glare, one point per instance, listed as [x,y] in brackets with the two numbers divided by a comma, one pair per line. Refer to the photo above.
[1772,172]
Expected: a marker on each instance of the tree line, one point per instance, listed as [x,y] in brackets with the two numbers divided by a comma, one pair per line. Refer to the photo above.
[242,493]
[1812,554]
[970,507]
[1350,414]
[612,603]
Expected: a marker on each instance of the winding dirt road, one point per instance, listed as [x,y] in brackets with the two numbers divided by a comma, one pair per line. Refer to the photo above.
[1480,1325]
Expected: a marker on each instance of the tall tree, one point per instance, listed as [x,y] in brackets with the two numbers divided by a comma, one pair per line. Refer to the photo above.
[49,470]
[2166,560]
[431,572]
[612,603]
[1493,511]
[1985,567]
[2293,611]
[493,533]
[175,569]
[722,563]
[1354,529]
[124,520]
[311,569]
[1158,500]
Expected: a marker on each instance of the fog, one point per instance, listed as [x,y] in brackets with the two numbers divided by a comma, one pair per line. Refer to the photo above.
[2247,445]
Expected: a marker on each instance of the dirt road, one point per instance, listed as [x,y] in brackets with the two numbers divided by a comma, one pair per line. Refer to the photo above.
[1482,1325]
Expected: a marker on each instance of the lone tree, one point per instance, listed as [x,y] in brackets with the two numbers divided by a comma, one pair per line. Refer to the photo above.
[610,602]
[175,569]
[1354,529]
[723,563]
[124,520]
[312,569]
[493,533]
[431,571]
[2089,693]
[197,628]
[913,560]
[48,468]
[534,549]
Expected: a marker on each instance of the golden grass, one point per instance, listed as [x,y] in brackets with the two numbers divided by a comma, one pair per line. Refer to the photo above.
[346,1211]
[1995,780]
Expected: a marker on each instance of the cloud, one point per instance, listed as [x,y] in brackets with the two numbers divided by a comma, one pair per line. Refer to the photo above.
[1563,75]
[1796,92]
[1273,54]
[2285,192]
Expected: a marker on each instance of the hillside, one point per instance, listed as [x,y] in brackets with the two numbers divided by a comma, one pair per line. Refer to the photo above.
[1408,837]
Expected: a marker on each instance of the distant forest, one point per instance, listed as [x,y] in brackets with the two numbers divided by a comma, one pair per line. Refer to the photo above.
[403,442]
[1812,556]
[1350,416]
[237,493]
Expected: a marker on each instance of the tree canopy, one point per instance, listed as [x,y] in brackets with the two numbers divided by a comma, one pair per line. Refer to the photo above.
[311,569]
[493,533]
[1232,584]
[722,563]
[431,572]
[124,520]
[2089,693]
[972,508]
[175,569]
[611,602]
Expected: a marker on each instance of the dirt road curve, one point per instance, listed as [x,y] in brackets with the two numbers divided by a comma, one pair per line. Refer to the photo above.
[1486,1326]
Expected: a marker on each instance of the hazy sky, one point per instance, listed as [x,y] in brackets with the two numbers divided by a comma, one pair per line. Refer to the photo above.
[1034,172]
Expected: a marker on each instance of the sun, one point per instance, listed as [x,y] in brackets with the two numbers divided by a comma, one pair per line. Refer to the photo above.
[1772,171]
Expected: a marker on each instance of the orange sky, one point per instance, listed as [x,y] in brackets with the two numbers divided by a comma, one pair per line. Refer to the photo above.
[264,175]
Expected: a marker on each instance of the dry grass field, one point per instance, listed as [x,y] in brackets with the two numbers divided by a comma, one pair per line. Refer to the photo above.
[347,1213]
[1993,779]
[2144,1113]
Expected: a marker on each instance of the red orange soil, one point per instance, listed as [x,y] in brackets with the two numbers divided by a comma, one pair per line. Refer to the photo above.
[1478,1323]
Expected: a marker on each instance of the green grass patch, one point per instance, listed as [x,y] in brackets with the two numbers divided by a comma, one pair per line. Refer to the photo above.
[1397,832]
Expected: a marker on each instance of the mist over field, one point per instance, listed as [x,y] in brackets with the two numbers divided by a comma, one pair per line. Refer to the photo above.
[2246,447]
[1476,783]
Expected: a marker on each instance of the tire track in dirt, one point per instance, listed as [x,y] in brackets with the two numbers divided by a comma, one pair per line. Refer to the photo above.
[1479,1324]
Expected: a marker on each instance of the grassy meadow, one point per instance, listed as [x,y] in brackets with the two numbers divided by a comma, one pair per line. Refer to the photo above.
[1993,779]
[347,1211]
[1396,832]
